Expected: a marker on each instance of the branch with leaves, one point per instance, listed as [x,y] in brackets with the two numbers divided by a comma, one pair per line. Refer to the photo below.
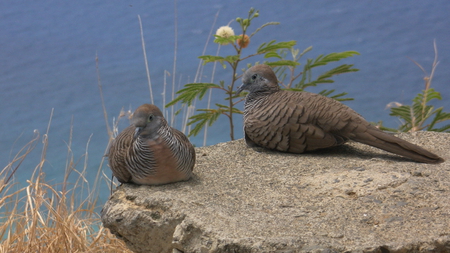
[275,54]
[420,115]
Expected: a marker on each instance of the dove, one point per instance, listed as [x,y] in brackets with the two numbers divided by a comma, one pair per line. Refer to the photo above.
[298,122]
[151,152]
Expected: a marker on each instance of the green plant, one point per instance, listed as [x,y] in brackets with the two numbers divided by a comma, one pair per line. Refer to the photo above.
[306,74]
[420,115]
[274,54]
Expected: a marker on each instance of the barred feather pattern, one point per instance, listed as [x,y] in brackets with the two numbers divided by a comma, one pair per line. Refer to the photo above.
[289,126]
[161,155]
[299,122]
[141,158]
[141,161]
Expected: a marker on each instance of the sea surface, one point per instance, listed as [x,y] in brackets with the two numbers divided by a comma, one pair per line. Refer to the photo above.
[49,76]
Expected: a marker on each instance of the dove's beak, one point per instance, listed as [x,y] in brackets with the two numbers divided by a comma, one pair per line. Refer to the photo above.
[137,131]
[241,88]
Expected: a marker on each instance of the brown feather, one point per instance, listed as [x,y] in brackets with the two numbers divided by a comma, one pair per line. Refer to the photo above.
[298,122]
[151,152]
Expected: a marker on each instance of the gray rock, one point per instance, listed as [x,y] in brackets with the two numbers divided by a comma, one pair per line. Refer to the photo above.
[353,198]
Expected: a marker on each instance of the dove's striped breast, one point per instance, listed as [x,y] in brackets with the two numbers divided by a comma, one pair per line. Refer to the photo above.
[166,157]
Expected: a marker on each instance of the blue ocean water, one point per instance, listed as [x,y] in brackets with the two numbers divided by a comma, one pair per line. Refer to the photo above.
[48,51]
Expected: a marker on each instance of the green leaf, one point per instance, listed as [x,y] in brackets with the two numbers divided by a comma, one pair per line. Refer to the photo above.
[266,24]
[211,58]
[325,77]
[322,60]
[426,96]
[338,97]
[282,63]
[439,117]
[227,40]
[445,128]
[332,57]
[236,110]
[272,54]
[232,58]
[272,46]
[222,84]
[403,112]
[177,112]
[326,93]
[294,89]
[192,91]
[345,68]
[416,115]
[222,106]
[305,51]
[209,116]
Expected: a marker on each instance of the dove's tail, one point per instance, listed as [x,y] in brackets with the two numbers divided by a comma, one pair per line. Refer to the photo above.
[388,142]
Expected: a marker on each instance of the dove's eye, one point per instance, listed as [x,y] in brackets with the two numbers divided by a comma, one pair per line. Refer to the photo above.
[150,118]
[254,77]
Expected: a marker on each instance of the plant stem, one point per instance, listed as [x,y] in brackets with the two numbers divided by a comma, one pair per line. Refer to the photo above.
[234,66]
[230,107]
[230,96]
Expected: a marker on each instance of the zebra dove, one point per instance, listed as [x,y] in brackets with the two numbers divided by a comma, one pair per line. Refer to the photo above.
[298,122]
[151,152]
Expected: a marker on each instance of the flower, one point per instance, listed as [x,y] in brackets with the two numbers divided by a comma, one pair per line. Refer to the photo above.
[243,42]
[225,32]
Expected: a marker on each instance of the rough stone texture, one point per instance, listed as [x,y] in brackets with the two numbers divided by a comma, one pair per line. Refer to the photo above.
[353,198]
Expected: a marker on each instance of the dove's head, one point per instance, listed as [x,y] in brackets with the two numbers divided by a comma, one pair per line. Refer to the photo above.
[147,119]
[259,79]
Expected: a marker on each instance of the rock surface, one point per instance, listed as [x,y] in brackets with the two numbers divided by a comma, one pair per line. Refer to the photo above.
[353,198]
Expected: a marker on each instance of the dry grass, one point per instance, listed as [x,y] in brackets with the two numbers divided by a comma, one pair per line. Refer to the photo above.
[43,217]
